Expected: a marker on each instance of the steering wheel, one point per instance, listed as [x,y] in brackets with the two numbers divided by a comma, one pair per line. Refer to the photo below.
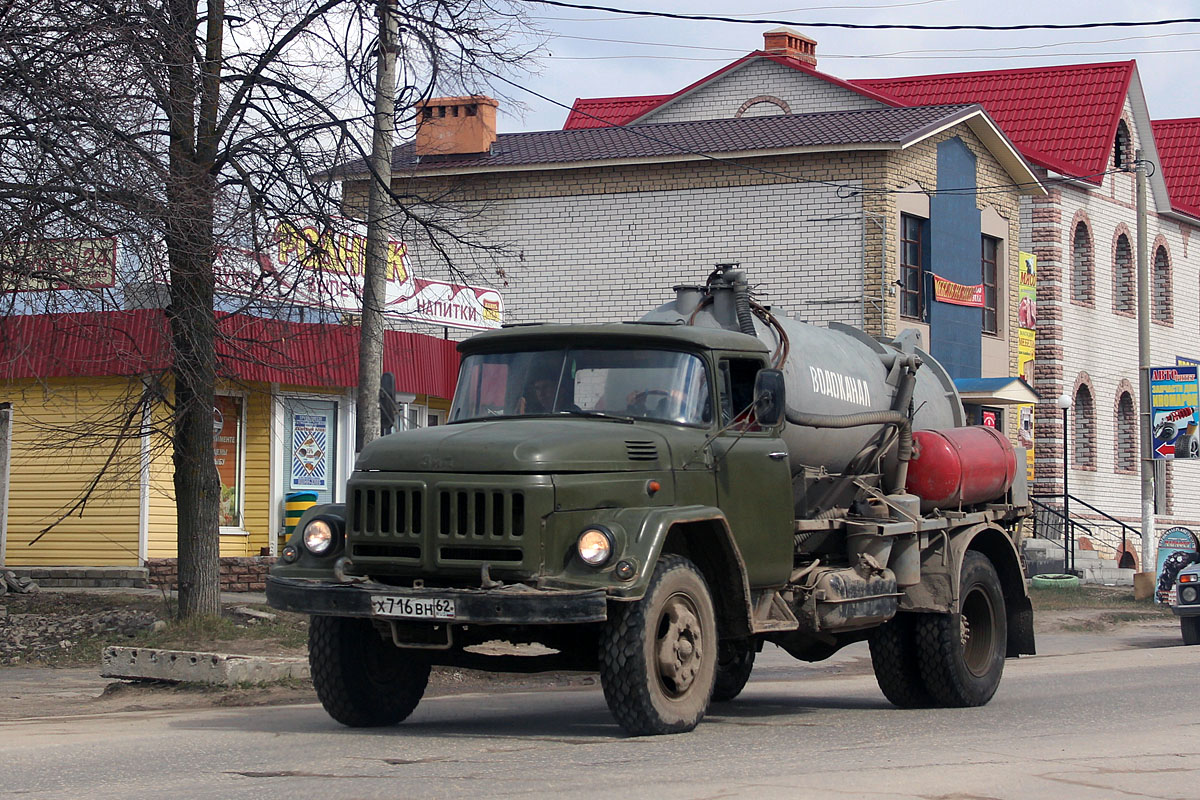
[638,400]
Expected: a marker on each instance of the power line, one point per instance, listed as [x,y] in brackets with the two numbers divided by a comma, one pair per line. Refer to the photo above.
[865,26]
[781,11]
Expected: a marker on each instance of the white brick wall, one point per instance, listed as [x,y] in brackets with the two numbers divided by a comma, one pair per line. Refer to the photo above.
[1104,344]
[723,97]
[612,257]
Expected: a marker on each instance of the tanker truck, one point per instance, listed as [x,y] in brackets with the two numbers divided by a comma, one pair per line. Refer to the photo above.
[659,500]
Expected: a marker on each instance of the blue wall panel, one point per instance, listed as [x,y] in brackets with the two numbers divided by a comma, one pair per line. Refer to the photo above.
[954,222]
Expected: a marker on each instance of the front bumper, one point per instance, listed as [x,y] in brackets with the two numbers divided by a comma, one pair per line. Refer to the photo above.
[514,605]
[1192,610]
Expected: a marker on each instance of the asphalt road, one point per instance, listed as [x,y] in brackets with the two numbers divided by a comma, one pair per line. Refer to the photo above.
[1095,716]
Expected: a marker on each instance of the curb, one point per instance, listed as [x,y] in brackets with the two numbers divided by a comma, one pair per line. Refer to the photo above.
[142,663]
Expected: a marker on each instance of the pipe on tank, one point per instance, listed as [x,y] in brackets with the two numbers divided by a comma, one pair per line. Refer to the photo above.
[901,421]
[741,304]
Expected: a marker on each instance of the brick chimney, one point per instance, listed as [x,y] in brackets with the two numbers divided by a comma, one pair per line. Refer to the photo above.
[790,43]
[456,125]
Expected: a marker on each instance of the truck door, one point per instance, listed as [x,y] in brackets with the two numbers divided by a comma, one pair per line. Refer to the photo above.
[754,482]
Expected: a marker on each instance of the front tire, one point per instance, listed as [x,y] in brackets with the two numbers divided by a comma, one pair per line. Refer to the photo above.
[362,680]
[961,656]
[894,657]
[1190,627]
[658,656]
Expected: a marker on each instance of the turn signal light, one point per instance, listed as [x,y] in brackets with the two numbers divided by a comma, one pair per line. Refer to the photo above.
[1189,578]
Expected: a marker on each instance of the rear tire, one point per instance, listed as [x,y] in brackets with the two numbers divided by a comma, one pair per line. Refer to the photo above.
[1190,627]
[362,680]
[658,656]
[894,657]
[735,662]
[961,656]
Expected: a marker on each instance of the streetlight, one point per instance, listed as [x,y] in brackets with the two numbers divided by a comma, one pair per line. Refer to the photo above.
[1064,402]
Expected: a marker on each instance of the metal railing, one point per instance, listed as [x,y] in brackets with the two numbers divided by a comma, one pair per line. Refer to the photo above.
[1108,532]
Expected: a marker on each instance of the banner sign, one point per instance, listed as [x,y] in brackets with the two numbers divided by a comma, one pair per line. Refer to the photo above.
[58,264]
[227,452]
[1177,548]
[1174,421]
[310,452]
[947,291]
[1026,348]
[322,268]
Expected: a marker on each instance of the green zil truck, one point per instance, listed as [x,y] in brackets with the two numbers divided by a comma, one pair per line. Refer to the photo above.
[656,501]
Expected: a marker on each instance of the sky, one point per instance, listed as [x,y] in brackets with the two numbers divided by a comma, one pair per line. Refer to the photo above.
[598,54]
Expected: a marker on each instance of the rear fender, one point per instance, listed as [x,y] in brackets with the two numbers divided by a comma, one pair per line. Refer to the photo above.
[994,543]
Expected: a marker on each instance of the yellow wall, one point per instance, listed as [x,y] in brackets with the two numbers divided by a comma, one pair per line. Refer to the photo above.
[64,431]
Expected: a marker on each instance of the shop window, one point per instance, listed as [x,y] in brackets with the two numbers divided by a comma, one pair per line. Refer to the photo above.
[913,260]
[1083,282]
[1083,429]
[990,277]
[1161,295]
[1123,277]
[228,436]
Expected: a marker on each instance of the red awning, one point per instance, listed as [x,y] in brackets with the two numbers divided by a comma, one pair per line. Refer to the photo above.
[250,349]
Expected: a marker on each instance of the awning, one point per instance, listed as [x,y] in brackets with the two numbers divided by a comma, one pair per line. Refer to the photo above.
[995,391]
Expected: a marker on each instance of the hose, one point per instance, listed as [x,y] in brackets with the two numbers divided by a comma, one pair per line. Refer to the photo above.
[901,421]
[741,304]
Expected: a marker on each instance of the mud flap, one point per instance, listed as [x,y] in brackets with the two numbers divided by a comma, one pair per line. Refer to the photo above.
[1020,627]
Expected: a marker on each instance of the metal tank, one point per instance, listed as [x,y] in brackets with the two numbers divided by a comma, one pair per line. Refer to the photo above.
[832,371]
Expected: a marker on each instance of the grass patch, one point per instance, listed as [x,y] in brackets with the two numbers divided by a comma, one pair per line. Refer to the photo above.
[1118,597]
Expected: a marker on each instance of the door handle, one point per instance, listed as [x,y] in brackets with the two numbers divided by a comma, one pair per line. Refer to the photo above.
[777,456]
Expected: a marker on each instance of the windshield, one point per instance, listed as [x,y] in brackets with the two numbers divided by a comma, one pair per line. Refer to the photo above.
[649,384]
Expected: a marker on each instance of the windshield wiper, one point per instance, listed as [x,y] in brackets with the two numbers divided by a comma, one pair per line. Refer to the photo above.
[595,415]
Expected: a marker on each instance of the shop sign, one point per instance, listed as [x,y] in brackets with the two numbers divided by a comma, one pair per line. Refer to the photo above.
[323,268]
[947,291]
[227,453]
[1026,348]
[310,452]
[58,264]
[1174,421]
[1177,548]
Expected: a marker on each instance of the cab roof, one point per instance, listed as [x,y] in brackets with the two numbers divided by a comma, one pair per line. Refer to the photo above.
[623,334]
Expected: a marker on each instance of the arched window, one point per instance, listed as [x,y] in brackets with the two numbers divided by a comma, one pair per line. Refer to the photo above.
[1123,291]
[1161,296]
[1122,154]
[1127,435]
[1083,283]
[1083,429]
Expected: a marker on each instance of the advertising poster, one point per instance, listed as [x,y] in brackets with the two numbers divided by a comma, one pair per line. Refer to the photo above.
[227,448]
[1026,344]
[947,291]
[310,452]
[1174,423]
[58,264]
[1177,548]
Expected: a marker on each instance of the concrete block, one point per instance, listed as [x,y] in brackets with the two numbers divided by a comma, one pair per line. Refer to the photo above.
[141,663]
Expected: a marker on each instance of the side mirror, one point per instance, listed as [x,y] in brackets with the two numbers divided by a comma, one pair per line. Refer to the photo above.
[769,397]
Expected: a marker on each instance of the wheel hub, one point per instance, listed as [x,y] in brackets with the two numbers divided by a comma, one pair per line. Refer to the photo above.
[680,645]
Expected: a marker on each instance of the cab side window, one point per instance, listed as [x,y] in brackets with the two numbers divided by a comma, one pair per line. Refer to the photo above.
[737,389]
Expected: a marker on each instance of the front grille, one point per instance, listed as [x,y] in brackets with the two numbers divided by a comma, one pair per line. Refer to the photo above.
[452,524]
[480,512]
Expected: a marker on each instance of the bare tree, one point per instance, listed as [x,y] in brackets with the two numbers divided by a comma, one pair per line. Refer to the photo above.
[188,129]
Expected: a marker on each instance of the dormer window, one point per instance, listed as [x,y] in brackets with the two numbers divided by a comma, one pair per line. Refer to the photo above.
[1122,155]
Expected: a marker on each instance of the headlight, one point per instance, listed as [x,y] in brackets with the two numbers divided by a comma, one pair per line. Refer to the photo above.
[1188,594]
[595,546]
[318,536]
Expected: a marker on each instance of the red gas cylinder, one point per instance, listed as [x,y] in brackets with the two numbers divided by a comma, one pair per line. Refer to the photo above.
[960,466]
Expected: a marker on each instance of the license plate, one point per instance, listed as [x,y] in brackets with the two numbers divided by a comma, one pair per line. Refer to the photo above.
[412,607]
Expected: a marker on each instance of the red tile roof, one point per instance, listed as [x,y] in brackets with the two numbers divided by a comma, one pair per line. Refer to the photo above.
[1064,118]
[127,343]
[1178,143]
[603,112]
[623,110]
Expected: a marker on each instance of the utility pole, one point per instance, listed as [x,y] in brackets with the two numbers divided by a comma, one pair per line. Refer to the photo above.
[370,345]
[1143,314]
